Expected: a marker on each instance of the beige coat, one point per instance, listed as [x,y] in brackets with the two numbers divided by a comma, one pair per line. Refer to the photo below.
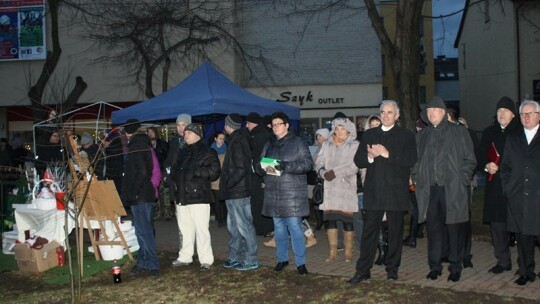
[340,193]
[215,184]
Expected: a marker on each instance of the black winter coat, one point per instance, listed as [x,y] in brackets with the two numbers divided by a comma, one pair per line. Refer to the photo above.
[286,195]
[495,203]
[137,185]
[48,154]
[193,177]
[235,181]
[386,186]
[114,160]
[259,137]
[520,175]
[454,142]
[175,157]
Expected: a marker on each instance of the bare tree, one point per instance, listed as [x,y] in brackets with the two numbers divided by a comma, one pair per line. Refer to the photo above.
[36,91]
[146,37]
[402,49]
[403,54]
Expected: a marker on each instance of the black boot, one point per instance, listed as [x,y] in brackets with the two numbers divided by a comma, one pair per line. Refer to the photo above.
[420,231]
[511,239]
[319,218]
[410,241]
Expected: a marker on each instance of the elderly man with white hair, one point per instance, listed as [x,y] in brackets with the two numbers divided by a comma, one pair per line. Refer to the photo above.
[520,176]
[388,153]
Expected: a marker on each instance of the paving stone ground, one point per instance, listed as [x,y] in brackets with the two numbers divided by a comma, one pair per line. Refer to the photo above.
[413,265]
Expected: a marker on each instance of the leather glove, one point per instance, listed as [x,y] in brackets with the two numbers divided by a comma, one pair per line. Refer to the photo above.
[329,175]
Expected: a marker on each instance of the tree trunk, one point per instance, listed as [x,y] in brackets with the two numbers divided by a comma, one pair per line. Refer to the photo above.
[35,93]
[403,54]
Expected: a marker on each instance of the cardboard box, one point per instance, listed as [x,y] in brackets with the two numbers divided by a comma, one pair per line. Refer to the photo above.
[34,260]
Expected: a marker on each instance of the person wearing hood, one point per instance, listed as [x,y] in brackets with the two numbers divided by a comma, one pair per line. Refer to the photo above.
[336,166]
[442,175]
[495,202]
[388,153]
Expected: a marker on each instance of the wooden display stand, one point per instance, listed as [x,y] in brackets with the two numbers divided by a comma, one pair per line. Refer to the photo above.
[99,202]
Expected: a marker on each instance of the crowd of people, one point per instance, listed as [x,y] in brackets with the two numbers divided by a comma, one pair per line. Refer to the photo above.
[372,177]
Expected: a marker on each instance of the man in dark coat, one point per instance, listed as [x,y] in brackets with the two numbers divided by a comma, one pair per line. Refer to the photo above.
[192,178]
[140,196]
[175,158]
[495,202]
[235,189]
[442,175]
[388,152]
[259,138]
[520,176]
[115,146]
[49,152]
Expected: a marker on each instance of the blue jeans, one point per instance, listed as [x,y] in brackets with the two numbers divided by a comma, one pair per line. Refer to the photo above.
[240,226]
[143,220]
[358,220]
[294,226]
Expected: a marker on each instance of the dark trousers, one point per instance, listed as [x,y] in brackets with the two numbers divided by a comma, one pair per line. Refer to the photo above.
[436,225]
[525,247]
[263,224]
[499,240]
[370,236]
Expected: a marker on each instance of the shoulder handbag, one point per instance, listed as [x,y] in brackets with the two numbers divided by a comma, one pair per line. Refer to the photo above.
[318,191]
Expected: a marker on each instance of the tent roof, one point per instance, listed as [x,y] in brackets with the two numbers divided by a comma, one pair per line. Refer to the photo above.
[205,92]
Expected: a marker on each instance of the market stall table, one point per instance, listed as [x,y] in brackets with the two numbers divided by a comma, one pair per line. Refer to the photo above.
[47,224]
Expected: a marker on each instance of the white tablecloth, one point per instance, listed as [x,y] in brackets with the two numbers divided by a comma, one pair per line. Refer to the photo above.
[47,224]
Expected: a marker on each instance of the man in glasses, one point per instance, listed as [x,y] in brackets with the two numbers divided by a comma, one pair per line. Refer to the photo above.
[520,175]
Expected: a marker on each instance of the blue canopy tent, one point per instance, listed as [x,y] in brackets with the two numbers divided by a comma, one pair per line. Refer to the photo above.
[208,96]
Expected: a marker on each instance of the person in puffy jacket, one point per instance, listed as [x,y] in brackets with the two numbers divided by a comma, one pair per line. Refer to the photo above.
[193,177]
[285,195]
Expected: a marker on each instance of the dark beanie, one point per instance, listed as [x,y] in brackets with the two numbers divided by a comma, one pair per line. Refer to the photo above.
[254,118]
[507,103]
[132,125]
[267,119]
[234,121]
[339,115]
[436,102]
[195,129]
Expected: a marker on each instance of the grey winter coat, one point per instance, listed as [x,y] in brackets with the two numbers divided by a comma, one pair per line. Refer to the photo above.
[339,193]
[286,195]
[460,162]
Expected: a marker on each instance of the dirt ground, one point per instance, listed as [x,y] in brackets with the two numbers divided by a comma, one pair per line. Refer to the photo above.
[220,285]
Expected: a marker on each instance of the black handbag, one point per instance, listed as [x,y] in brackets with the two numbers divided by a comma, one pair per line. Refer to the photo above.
[318,191]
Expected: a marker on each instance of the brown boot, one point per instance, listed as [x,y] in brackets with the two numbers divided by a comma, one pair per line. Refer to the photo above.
[310,238]
[332,235]
[348,239]
[270,243]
